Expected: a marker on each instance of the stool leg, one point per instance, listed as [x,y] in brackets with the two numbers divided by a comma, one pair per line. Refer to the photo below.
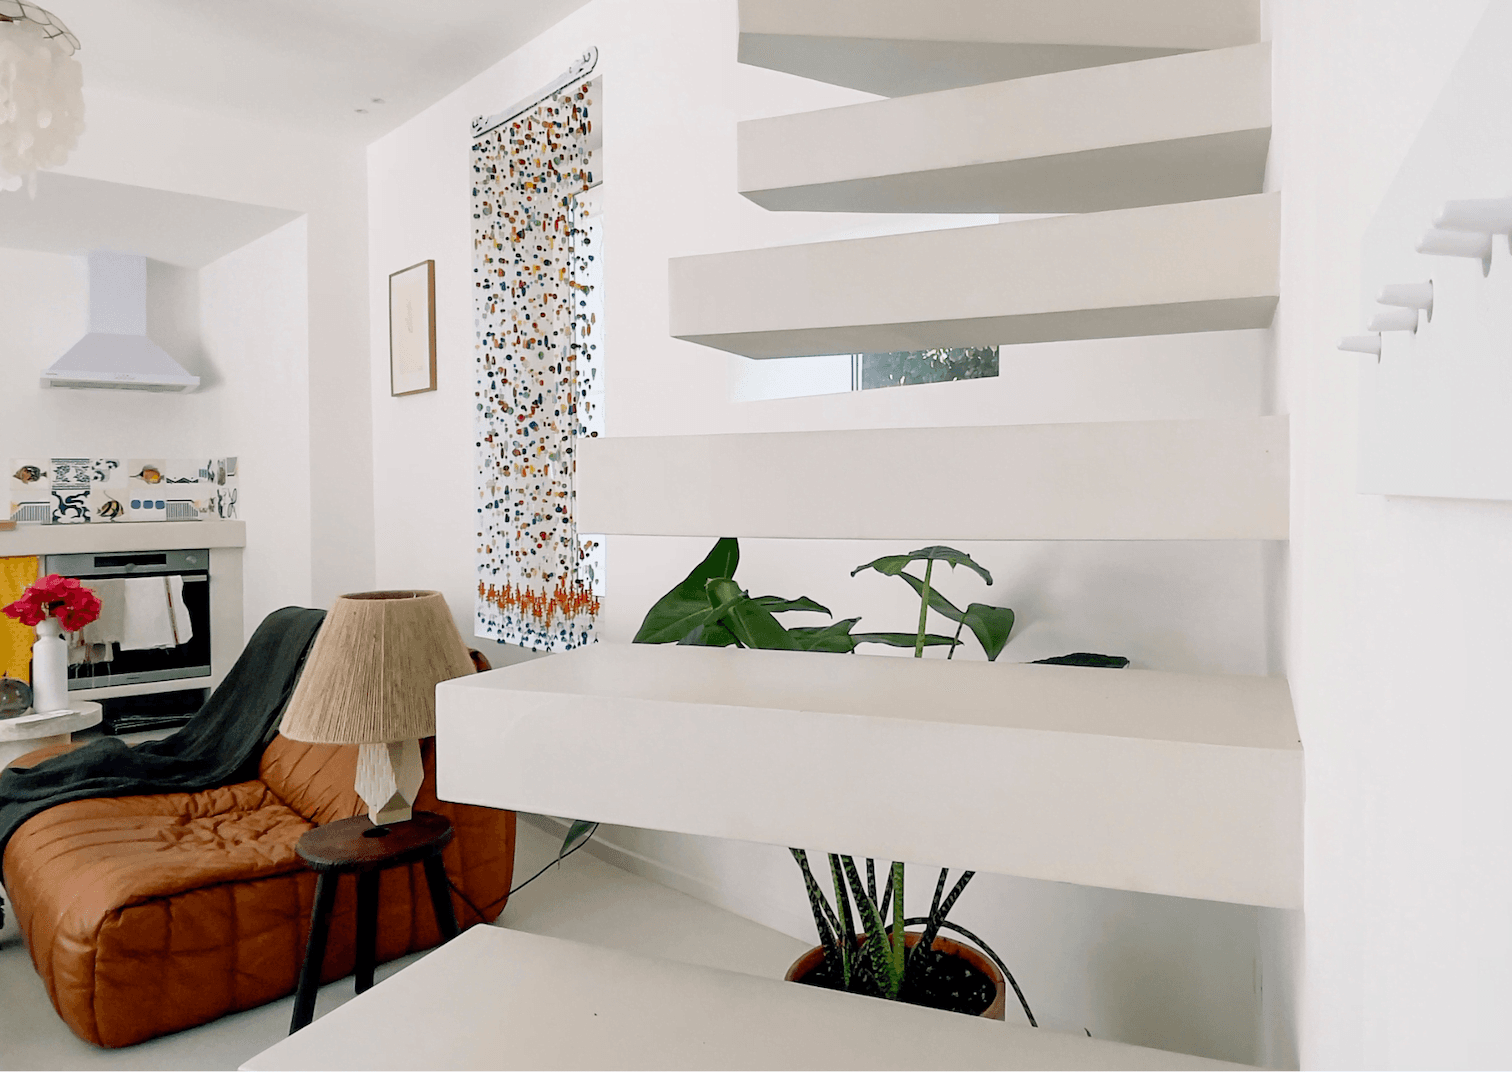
[435,878]
[367,928]
[309,972]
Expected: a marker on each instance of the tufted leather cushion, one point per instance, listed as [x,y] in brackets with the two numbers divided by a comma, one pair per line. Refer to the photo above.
[149,914]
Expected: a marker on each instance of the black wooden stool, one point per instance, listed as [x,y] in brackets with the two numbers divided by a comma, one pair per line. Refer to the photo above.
[357,846]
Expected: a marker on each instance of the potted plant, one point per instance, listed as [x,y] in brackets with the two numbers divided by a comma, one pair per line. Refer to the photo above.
[708,608]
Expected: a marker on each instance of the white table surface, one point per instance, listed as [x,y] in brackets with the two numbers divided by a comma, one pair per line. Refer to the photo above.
[501,999]
[34,730]
[81,716]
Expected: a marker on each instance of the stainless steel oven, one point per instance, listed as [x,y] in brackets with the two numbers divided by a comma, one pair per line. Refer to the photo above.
[155,625]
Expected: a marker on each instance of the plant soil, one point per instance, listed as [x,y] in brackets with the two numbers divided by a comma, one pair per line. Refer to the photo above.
[935,979]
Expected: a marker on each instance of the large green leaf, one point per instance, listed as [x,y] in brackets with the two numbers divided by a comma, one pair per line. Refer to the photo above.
[686,607]
[709,616]
[902,640]
[709,635]
[936,601]
[1087,658]
[825,921]
[751,624]
[991,626]
[892,565]
[888,975]
[577,833]
[834,637]
[778,605]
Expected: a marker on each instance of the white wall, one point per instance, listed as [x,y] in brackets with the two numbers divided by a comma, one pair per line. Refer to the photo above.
[1398,625]
[1160,971]
[328,538]
[241,325]
[255,331]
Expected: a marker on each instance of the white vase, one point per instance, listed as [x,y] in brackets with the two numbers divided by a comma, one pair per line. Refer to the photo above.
[49,681]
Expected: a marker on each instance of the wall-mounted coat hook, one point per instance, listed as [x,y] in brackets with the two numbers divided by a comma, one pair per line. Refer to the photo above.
[1362,344]
[1475,244]
[1409,296]
[1487,215]
[1394,320]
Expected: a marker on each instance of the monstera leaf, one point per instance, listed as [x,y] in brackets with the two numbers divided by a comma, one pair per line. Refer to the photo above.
[902,640]
[752,624]
[778,605]
[893,565]
[709,635]
[1087,658]
[991,626]
[687,606]
[836,637]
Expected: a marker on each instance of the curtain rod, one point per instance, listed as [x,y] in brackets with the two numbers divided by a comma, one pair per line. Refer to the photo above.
[583,67]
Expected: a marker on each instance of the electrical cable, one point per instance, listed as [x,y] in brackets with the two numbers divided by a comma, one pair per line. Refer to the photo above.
[483,918]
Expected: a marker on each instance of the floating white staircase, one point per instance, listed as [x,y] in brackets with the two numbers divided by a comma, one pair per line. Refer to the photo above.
[1184,128]
[901,47]
[1145,480]
[1180,784]
[503,999]
[1148,121]
[1162,270]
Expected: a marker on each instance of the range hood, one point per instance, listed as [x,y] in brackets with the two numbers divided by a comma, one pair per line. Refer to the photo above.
[116,353]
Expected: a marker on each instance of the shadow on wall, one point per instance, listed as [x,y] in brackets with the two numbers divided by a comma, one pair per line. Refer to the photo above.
[1158,977]
[173,320]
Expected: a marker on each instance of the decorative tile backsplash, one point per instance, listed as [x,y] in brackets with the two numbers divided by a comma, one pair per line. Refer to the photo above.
[73,491]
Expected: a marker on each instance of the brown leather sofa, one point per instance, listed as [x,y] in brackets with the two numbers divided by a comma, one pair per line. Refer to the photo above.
[146,915]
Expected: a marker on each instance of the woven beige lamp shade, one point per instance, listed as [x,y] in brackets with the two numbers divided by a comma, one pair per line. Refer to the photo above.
[371,677]
[371,680]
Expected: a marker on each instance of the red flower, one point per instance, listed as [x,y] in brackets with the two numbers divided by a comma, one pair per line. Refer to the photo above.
[61,597]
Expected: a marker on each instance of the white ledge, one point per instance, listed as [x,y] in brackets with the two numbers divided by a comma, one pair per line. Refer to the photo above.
[1184,128]
[502,999]
[1160,270]
[104,537]
[1180,784]
[1140,480]
[899,47]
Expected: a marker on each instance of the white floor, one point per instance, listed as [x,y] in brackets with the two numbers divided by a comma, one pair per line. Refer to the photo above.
[584,899]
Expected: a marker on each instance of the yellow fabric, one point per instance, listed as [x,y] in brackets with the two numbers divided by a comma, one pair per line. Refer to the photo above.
[15,638]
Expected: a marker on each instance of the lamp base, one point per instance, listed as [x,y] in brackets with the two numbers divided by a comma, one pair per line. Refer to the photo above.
[388,780]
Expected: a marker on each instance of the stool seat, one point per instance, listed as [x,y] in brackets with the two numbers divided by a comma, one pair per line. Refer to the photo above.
[349,845]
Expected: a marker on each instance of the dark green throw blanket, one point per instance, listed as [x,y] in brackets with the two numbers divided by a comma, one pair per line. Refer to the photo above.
[221,745]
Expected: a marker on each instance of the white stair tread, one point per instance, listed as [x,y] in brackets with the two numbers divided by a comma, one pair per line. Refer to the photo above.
[900,47]
[1184,128]
[1139,480]
[1180,784]
[1161,270]
[502,999]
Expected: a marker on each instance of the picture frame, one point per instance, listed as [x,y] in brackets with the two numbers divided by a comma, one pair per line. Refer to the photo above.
[412,329]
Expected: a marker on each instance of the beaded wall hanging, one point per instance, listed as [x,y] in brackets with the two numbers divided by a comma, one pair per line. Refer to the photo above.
[536,268]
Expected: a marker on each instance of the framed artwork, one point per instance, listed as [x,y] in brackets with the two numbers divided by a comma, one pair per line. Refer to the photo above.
[412,329]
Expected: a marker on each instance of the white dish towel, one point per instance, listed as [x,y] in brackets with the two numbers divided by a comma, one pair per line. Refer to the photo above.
[153,614]
[101,636]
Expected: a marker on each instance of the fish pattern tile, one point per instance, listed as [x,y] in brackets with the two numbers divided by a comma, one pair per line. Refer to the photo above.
[71,491]
[537,267]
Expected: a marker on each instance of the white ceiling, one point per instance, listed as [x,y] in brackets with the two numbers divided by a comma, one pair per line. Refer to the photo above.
[307,63]
[75,215]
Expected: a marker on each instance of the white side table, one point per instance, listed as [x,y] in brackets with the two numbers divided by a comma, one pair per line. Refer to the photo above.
[27,733]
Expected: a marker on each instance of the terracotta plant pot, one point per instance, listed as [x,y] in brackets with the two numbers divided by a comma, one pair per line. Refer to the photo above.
[810,960]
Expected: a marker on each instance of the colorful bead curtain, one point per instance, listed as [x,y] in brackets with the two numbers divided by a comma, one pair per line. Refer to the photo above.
[536,267]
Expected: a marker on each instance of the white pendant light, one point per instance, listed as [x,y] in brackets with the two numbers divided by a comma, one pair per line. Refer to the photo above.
[41,93]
